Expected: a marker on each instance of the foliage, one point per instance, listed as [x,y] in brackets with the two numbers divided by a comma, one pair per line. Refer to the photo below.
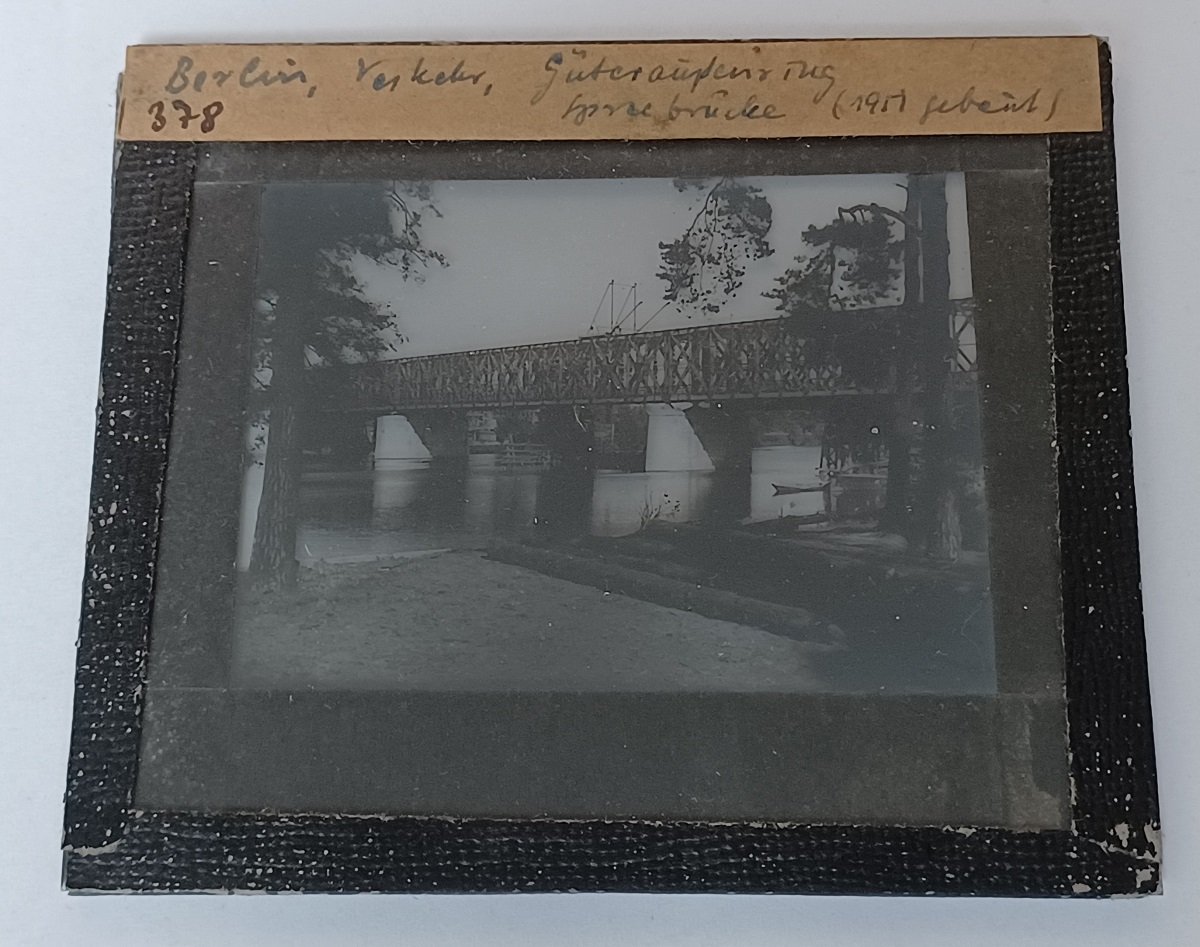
[706,264]
[652,512]
[318,243]
[854,263]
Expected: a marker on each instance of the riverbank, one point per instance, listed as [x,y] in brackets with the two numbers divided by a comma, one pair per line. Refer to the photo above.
[456,620]
[883,618]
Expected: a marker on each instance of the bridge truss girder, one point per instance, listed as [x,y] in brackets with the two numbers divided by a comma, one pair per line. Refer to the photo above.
[764,359]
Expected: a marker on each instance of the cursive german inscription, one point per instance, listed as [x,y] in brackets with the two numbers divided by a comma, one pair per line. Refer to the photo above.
[1027,85]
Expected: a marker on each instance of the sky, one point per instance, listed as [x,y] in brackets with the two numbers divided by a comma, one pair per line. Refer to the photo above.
[530,261]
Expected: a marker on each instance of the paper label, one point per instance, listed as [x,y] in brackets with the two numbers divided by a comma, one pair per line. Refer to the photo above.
[643,90]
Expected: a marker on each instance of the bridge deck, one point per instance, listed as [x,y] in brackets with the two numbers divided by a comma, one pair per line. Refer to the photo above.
[759,359]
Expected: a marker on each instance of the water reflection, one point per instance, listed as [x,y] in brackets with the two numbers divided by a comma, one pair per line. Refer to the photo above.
[398,487]
[471,498]
[622,503]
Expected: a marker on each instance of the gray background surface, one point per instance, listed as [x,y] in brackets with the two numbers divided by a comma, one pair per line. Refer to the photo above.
[56,154]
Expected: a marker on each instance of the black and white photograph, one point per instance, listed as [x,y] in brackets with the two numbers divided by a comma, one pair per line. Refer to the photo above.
[647,434]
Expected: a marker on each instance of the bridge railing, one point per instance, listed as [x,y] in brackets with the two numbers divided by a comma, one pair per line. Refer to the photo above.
[758,359]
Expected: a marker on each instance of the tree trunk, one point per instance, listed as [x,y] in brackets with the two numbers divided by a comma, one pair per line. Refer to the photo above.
[273,560]
[896,511]
[938,507]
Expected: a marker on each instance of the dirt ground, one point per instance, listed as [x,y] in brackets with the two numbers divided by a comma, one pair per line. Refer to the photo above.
[458,621]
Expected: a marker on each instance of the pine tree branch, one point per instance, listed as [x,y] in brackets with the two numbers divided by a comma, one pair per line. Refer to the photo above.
[880,209]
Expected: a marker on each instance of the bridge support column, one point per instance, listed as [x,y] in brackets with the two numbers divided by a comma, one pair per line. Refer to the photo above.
[671,443]
[397,444]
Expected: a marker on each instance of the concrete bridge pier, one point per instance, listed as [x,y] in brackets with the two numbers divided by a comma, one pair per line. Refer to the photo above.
[403,441]
[398,446]
[672,443]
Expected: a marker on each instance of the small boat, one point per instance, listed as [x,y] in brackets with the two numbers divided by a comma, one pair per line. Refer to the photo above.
[782,488]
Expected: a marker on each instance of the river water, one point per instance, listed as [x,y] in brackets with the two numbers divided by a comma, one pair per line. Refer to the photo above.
[448,504]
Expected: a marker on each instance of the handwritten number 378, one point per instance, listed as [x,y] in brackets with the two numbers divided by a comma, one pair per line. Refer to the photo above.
[185,115]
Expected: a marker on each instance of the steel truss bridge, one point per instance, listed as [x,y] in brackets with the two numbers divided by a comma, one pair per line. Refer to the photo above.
[709,363]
